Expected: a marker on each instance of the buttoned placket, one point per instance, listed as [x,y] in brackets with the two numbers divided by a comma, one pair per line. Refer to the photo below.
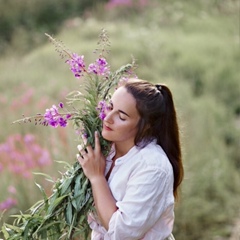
[121,160]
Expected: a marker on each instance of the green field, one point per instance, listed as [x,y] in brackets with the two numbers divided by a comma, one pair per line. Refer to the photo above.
[193,47]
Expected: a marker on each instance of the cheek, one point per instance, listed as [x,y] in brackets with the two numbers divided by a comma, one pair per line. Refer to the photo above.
[128,130]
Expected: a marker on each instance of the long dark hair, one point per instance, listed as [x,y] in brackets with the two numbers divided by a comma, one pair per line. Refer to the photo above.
[158,121]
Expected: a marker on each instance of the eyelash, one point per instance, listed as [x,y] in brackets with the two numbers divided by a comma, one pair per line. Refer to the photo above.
[109,108]
[121,118]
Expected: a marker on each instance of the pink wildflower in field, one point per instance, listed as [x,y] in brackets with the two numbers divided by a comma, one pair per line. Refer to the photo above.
[29,138]
[100,67]
[44,158]
[12,189]
[3,99]
[116,3]
[21,154]
[8,203]
[77,65]
[23,99]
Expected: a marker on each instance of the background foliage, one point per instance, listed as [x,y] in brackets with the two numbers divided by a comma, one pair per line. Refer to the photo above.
[192,46]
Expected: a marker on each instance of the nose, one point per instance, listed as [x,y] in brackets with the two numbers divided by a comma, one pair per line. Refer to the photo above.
[109,117]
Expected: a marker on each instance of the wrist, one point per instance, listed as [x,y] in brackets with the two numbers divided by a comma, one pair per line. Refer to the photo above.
[97,180]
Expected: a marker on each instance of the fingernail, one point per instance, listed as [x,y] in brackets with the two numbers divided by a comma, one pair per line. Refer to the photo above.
[79,147]
[77,155]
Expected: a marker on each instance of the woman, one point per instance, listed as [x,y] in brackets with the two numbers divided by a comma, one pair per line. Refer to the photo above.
[134,188]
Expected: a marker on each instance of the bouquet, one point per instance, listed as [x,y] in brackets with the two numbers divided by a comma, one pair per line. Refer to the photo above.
[63,214]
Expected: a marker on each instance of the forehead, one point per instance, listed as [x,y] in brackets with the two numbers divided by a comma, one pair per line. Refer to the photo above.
[124,101]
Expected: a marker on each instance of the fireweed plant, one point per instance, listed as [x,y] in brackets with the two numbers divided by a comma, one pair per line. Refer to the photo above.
[63,214]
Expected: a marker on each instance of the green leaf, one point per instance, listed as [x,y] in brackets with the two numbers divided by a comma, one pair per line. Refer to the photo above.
[48,177]
[17,229]
[42,191]
[72,225]
[65,186]
[54,205]
[45,227]
[69,213]
[77,187]
[65,163]
[4,230]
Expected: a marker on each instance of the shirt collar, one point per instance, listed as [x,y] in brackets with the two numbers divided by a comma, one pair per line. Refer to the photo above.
[124,158]
[128,155]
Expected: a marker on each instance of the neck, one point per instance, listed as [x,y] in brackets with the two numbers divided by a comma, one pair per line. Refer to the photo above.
[122,149]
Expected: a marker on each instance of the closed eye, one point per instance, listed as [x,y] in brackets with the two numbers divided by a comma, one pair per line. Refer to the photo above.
[123,119]
[110,107]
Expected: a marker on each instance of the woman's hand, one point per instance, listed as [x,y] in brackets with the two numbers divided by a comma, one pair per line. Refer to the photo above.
[93,164]
[92,160]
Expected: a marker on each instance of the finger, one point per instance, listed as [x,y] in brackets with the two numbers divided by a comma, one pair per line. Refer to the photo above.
[80,148]
[84,138]
[79,158]
[83,153]
[87,147]
[97,142]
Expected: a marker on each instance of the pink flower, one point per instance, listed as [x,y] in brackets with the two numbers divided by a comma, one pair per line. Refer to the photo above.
[29,138]
[44,159]
[54,118]
[12,189]
[8,203]
[102,106]
[100,67]
[77,65]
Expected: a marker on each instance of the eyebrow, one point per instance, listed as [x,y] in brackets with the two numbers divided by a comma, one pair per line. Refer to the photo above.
[123,112]
[120,111]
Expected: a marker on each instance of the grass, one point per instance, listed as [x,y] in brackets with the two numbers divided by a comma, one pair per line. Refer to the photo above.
[194,51]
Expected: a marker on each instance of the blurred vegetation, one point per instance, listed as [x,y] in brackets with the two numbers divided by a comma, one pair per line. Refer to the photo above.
[192,46]
[23,23]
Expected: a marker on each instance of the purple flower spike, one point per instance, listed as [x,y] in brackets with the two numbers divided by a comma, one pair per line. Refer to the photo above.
[100,67]
[54,118]
[102,115]
[61,105]
[102,106]
[77,65]
[8,203]
[68,116]
[62,122]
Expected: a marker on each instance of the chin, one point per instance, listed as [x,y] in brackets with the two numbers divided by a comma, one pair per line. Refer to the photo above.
[106,136]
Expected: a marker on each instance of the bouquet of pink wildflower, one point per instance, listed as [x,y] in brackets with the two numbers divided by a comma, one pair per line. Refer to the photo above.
[63,215]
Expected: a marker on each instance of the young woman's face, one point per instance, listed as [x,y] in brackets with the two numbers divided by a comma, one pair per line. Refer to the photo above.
[120,123]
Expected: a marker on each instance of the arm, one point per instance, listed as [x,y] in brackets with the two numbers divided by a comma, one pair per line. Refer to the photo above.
[104,202]
[93,164]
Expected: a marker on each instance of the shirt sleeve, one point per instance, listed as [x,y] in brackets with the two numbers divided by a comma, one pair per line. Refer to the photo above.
[144,202]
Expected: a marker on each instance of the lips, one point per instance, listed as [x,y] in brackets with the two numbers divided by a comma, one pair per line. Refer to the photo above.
[106,128]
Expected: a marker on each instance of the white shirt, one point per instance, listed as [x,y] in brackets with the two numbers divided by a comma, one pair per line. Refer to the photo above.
[142,184]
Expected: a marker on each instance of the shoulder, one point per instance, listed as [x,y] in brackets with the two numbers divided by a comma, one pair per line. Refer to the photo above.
[152,168]
[153,155]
